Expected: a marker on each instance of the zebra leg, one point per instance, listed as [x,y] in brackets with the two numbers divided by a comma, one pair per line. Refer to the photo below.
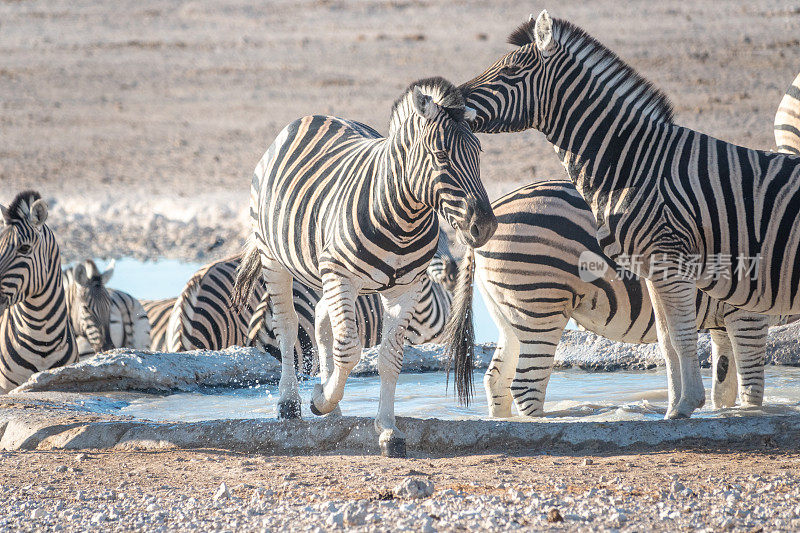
[748,336]
[285,321]
[723,366]
[324,337]
[498,377]
[340,298]
[536,355]
[675,309]
[397,311]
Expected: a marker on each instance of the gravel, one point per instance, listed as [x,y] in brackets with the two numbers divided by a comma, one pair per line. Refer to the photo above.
[182,491]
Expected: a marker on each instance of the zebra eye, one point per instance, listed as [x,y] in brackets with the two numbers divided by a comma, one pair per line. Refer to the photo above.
[441,157]
[24,249]
[509,70]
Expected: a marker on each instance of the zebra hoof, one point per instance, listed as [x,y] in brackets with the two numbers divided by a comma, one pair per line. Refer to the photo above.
[392,445]
[289,410]
[395,447]
[314,409]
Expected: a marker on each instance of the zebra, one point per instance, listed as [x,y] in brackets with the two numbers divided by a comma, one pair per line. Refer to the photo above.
[35,332]
[103,318]
[205,319]
[694,212]
[346,211]
[787,120]
[158,313]
[544,266]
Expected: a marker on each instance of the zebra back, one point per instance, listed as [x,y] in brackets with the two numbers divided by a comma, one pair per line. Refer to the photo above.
[158,313]
[129,326]
[787,120]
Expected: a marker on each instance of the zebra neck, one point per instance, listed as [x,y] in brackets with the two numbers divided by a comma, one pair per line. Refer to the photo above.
[43,317]
[394,206]
[605,151]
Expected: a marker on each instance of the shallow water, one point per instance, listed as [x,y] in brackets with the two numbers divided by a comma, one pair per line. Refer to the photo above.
[572,395]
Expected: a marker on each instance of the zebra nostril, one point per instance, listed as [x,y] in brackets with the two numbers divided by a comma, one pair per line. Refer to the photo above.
[475,231]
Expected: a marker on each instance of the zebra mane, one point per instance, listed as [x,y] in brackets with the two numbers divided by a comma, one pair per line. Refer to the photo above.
[597,57]
[444,94]
[20,206]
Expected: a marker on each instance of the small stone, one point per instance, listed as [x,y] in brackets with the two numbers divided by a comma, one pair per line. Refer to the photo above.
[677,486]
[61,468]
[587,462]
[413,488]
[554,515]
[81,457]
[38,513]
[222,492]
[98,518]
[335,520]
[153,507]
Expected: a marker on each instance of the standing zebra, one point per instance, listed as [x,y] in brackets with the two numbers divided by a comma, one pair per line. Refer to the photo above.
[686,210]
[341,209]
[787,120]
[544,266]
[35,333]
[158,313]
[103,318]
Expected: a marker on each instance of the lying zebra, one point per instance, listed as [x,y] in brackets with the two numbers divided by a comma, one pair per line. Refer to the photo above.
[103,318]
[543,266]
[158,313]
[35,332]
[204,319]
[346,211]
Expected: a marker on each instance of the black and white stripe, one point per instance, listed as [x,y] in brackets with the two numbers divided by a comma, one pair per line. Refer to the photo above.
[787,120]
[347,212]
[103,318]
[158,313]
[659,192]
[544,266]
[35,332]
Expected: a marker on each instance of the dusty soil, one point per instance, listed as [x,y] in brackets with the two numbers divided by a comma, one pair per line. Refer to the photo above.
[744,489]
[143,119]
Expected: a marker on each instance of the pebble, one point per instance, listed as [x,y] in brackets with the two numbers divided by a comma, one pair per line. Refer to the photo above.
[222,492]
[413,488]
[587,462]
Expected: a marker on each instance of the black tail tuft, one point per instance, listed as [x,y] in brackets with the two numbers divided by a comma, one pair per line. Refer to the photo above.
[460,331]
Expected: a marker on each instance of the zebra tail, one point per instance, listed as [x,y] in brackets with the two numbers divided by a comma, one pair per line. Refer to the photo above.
[247,274]
[460,330]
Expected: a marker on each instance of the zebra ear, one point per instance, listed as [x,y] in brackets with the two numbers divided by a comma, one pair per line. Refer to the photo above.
[80,275]
[424,105]
[38,213]
[543,32]
[6,214]
[109,271]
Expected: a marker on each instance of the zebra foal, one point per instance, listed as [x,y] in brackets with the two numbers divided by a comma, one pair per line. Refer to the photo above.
[348,212]
[103,318]
[685,206]
[35,332]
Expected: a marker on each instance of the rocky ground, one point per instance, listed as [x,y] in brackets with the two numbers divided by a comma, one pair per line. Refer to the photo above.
[141,120]
[752,488]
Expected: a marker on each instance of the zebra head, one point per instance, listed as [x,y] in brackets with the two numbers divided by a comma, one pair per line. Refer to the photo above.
[90,303]
[538,84]
[24,254]
[443,268]
[443,156]
[506,96]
